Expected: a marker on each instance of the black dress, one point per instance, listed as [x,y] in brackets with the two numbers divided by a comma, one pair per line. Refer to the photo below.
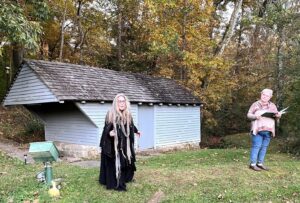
[108,167]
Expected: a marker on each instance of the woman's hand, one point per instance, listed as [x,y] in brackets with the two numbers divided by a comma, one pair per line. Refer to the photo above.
[258,117]
[112,133]
[278,115]
[138,133]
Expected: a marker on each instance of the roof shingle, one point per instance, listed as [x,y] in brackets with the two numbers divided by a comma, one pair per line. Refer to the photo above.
[77,82]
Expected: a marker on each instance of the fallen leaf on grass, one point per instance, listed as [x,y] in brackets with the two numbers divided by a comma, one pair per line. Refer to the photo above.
[35,194]
[220,196]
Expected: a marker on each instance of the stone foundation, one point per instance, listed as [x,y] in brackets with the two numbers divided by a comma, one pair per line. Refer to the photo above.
[175,147]
[78,151]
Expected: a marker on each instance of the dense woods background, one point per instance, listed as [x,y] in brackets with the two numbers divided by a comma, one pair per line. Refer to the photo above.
[224,51]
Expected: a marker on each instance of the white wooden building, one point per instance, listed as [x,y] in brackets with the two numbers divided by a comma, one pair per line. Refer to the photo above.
[72,101]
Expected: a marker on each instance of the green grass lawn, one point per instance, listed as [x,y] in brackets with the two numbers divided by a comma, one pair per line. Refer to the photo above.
[204,175]
[242,141]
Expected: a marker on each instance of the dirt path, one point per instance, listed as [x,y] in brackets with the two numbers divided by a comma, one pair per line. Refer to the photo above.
[14,149]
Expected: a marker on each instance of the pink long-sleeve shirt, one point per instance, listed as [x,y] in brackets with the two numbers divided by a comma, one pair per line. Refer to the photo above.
[264,123]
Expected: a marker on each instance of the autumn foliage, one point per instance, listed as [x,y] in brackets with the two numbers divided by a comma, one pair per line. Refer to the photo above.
[178,39]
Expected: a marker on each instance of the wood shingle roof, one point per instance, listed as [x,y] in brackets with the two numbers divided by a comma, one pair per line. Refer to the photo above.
[78,83]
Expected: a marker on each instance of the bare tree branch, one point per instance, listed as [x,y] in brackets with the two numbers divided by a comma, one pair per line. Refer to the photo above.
[230,29]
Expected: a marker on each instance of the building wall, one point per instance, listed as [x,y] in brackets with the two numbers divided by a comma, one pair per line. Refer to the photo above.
[176,124]
[28,89]
[65,123]
[71,127]
[83,123]
[74,123]
[96,112]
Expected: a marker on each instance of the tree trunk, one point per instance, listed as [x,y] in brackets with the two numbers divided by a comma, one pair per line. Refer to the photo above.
[230,29]
[44,50]
[238,57]
[17,57]
[261,13]
[184,42]
[119,42]
[215,17]
[81,32]
[62,32]
[280,68]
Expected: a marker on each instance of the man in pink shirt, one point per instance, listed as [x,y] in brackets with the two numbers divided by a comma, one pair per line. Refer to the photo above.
[262,114]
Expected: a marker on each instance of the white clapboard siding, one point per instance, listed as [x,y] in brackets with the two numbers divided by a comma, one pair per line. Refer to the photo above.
[134,112]
[28,89]
[71,127]
[175,125]
[96,112]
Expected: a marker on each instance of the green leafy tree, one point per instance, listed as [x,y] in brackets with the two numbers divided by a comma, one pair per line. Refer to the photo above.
[20,30]
[19,22]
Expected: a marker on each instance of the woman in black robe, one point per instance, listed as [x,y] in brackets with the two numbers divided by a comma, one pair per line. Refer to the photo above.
[117,146]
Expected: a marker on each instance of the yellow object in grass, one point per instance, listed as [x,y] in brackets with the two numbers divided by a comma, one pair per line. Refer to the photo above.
[53,192]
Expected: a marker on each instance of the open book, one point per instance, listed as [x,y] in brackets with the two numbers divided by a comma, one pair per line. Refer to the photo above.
[268,115]
[272,115]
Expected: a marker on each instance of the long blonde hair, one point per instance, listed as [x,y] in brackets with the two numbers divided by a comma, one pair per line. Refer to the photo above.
[116,116]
